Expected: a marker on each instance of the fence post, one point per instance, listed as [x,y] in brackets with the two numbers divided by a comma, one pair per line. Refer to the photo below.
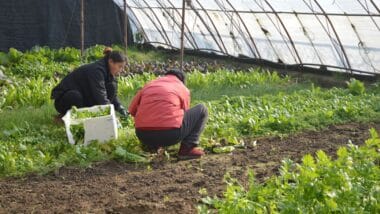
[125,28]
[183,31]
[82,28]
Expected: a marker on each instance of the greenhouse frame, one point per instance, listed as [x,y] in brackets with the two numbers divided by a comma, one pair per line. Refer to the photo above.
[340,35]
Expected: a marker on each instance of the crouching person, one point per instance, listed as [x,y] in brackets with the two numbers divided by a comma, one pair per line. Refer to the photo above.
[163,116]
[91,84]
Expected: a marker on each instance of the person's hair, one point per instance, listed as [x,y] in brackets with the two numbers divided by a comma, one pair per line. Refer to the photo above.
[179,74]
[115,56]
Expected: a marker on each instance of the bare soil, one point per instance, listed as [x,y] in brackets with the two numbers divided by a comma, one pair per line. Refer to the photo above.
[165,187]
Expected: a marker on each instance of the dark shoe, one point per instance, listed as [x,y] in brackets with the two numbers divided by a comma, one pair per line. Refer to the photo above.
[189,152]
[58,119]
[152,149]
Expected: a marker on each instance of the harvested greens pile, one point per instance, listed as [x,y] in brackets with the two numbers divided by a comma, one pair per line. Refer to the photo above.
[83,114]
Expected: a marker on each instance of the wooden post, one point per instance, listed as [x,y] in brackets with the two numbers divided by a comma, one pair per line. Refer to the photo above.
[183,33]
[82,28]
[125,28]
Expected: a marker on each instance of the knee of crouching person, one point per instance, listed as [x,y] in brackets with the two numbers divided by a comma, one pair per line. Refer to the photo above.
[204,110]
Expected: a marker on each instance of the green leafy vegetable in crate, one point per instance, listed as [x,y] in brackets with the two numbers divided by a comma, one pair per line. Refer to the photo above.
[76,114]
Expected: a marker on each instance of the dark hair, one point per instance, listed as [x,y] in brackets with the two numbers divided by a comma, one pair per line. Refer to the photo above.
[116,56]
[179,74]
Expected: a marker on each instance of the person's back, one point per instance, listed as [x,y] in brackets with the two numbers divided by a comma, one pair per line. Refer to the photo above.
[77,79]
[162,104]
[163,116]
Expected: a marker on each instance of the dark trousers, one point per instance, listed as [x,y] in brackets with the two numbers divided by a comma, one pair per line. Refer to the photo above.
[194,122]
[67,100]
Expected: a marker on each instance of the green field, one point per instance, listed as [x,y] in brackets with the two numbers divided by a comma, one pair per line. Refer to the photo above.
[242,104]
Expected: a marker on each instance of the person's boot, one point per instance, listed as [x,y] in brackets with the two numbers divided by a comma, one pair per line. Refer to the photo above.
[149,148]
[58,119]
[187,152]
[153,149]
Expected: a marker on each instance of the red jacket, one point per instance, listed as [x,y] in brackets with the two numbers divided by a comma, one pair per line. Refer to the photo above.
[161,104]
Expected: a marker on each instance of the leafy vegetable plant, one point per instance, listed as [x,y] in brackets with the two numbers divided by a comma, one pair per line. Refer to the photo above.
[356,87]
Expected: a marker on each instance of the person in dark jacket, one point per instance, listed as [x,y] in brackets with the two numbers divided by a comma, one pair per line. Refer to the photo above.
[91,84]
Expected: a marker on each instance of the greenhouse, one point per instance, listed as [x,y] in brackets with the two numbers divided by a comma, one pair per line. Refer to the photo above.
[190,106]
[340,35]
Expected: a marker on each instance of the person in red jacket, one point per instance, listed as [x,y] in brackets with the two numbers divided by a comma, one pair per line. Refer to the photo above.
[163,116]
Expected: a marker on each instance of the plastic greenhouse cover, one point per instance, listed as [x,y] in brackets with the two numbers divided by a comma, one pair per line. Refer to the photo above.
[342,34]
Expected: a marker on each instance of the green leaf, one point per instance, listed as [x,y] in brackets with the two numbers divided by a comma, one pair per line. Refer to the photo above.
[308,161]
[224,149]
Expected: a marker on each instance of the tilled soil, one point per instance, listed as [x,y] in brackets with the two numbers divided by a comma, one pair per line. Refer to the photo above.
[168,187]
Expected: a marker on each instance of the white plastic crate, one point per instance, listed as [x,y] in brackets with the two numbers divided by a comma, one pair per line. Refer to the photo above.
[101,129]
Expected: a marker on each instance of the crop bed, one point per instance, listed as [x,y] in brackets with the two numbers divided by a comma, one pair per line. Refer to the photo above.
[257,118]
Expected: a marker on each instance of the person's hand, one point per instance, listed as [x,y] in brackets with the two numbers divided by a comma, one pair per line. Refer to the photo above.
[124,113]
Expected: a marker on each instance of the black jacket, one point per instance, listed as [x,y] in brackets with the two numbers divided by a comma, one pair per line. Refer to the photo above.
[94,81]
